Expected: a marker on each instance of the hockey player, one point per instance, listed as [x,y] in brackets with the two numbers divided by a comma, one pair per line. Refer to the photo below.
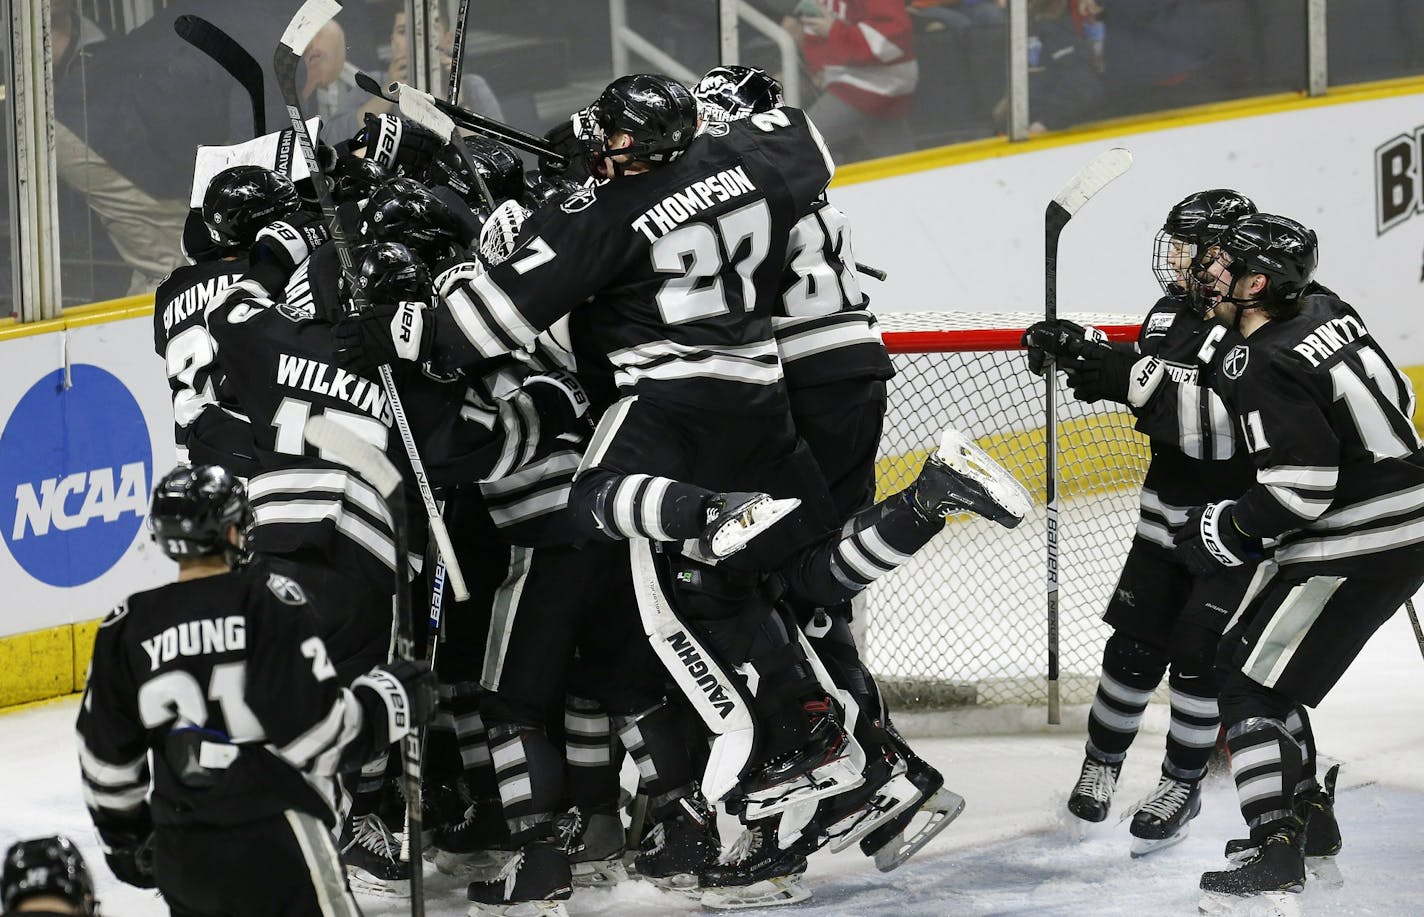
[222,677]
[1164,616]
[1339,477]
[46,875]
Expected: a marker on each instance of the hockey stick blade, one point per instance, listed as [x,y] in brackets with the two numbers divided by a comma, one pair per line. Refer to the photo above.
[232,57]
[421,108]
[351,450]
[1092,178]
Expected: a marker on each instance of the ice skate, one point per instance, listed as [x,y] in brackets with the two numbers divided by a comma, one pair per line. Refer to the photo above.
[1322,834]
[535,881]
[961,477]
[371,855]
[894,842]
[477,844]
[755,873]
[597,853]
[820,768]
[842,820]
[1267,879]
[1092,795]
[734,519]
[442,805]
[678,847]
[1164,816]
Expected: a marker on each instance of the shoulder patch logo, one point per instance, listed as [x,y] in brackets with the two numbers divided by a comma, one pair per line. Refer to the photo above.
[1159,323]
[716,128]
[1235,363]
[286,590]
[116,615]
[579,200]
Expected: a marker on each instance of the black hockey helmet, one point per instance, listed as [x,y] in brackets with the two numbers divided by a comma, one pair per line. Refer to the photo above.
[404,210]
[497,164]
[355,178]
[1192,227]
[1281,249]
[657,111]
[241,200]
[193,508]
[542,189]
[733,92]
[389,272]
[46,866]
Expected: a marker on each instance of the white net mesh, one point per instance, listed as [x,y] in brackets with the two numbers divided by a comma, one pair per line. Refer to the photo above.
[965,622]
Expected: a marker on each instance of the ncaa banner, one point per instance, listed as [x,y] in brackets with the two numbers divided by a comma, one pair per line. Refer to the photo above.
[85,427]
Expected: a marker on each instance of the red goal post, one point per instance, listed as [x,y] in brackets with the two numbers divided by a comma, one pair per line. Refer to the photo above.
[965,622]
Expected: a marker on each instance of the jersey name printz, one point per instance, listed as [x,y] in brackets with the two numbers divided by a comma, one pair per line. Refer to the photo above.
[681,206]
[196,638]
[195,298]
[333,382]
[1321,343]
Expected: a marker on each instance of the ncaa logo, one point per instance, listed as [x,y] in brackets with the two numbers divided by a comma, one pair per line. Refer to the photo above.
[75,469]
[1235,363]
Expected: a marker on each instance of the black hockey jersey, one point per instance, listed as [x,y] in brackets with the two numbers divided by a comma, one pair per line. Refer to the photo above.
[682,266]
[1326,418]
[224,679]
[1192,437]
[208,428]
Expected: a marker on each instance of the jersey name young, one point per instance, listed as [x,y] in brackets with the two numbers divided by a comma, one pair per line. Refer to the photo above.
[196,638]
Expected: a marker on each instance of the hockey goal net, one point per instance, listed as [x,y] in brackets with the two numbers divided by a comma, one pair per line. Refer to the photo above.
[965,622]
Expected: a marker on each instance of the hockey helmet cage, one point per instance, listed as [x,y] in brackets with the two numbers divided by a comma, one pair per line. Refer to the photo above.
[497,164]
[657,111]
[734,92]
[389,272]
[46,866]
[1278,247]
[193,508]
[1192,227]
[403,210]
[240,201]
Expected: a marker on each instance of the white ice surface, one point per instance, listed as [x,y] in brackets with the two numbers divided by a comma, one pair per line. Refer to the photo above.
[1011,852]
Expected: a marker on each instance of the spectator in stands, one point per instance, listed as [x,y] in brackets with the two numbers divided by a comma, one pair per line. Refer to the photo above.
[862,56]
[958,15]
[1064,87]
[330,91]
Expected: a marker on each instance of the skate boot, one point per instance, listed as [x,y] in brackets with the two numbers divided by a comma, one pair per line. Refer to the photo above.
[842,820]
[595,847]
[371,855]
[477,844]
[757,873]
[893,842]
[1275,869]
[679,846]
[961,477]
[536,880]
[822,767]
[1092,795]
[733,519]
[1317,809]
[1162,819]
[442,805]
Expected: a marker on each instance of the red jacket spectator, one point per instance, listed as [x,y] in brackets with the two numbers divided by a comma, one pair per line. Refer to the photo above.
[868,57]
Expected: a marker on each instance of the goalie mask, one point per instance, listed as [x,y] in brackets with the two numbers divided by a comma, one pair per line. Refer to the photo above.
[194,507]
[46,866]
[406,211]
[656,111]
[242,200]
[497,164]
[734,92]
[1184,243]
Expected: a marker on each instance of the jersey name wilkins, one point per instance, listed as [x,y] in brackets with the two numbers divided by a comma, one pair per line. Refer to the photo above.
[1322,343]
[196,638]
[680,206]
[334,382]
[196,299]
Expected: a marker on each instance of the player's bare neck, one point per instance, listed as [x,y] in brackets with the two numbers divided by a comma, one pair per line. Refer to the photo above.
[1252,320]
[201,567]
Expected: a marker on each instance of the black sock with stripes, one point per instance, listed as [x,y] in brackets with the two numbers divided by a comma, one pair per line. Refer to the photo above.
[1191,738]
[463,706]
[530,772]
[590,751]
[1131,672]
[656,740]
[1298,723]
[1266,766]
[644,506]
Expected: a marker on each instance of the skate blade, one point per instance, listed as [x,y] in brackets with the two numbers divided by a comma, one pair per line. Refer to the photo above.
[363,883]
[896,796]
[480,866]
[943,808]
[520,909]
[766,893]
[599,873]
[1324,872]
[965,457]
[683,883]
[1265,904]
[830,779]
[755,520]
[1142,846]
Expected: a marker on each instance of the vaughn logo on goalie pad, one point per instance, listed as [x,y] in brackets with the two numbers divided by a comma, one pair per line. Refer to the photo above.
[701,672]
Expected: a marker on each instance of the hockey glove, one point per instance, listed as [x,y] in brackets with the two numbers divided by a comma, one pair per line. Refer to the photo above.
[1210,540]
[398,698]
[282,246]
[1058,338]
[575,140]
[1102,372]
[560,401]
[383,334]
[130,856]
[401,146]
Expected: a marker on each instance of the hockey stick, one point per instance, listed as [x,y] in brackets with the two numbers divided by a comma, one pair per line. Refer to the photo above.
[309,18]
[869,271]
[1091,179]
[1414,620]
[232,57]
[477,124]
[457,54]
[368,461]
[418,106]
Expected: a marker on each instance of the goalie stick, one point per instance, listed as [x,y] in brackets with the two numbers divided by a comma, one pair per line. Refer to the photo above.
[368,462]
[232,57]
[309,18]
[1080,189]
